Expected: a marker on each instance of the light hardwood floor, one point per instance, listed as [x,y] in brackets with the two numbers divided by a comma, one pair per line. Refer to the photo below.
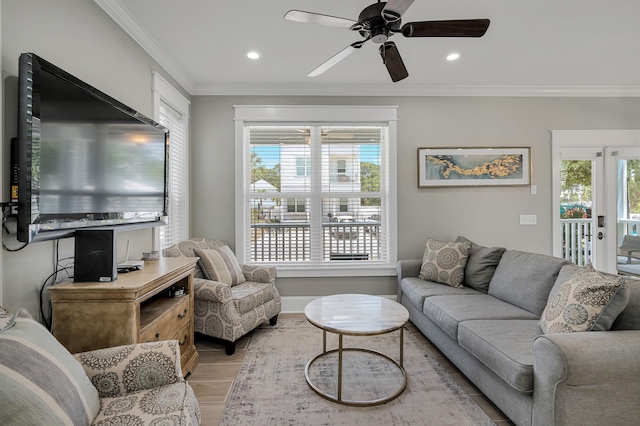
[213,378]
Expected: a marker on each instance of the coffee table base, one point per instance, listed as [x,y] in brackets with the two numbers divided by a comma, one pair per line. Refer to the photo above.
[338,399]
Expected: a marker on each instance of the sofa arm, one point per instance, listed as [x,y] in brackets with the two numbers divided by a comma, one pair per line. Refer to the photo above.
[211,291]
[259,274]
[586,378]
[407,268]
[121,370]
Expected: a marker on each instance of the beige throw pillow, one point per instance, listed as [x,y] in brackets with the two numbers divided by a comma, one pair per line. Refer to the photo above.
[580,301]
[220,264]
[444,262]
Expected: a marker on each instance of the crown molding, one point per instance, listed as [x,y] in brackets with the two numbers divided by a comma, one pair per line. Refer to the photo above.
[414,90]
[131,26]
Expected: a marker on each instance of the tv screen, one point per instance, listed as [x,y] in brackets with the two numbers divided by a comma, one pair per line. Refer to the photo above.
[85,159]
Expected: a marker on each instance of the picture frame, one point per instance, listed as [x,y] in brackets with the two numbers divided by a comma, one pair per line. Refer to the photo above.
[462,167]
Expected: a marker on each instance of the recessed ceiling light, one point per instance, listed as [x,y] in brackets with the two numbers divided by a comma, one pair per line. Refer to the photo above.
[453,56]
[253,54]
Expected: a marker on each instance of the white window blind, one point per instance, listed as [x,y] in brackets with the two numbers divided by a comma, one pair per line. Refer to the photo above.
[172,112]
[317,194]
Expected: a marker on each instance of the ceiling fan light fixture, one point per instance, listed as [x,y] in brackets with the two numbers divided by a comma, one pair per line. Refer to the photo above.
[453,56]
[253,54]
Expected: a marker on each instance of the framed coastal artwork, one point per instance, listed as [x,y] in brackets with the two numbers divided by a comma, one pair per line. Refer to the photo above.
[441,167]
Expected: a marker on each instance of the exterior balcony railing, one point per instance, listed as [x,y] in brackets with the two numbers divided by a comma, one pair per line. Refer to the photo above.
[291,242]
[577,237]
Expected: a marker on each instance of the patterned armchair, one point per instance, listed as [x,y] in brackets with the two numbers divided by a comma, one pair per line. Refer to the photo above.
[42,383]
[228,304]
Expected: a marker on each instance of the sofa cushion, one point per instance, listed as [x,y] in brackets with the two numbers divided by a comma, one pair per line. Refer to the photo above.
[448,311]
[444,262]
[629,318]
[40,381]
[525,279]
[416,289]
[506,347]
[249,295]
[587,301]
[220,264]
[481,264]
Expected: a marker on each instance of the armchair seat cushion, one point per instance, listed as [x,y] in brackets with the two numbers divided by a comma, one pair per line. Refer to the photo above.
[167,405]
[249,295]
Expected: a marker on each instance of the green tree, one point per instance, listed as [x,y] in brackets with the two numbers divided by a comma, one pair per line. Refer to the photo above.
[633,185]
[370,182]
[259,171]
[575,180]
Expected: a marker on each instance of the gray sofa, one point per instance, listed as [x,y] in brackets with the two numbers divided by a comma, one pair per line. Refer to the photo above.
[492,334]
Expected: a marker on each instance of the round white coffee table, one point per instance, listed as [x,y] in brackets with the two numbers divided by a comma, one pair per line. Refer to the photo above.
[356,315]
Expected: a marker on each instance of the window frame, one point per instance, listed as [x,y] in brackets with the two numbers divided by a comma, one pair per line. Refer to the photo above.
[164,92]
[385,115]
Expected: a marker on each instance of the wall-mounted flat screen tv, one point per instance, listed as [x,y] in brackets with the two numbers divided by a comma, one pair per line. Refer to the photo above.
[84,159]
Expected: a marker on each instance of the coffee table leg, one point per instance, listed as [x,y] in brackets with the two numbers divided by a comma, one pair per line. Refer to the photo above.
[340,367]
[401,346]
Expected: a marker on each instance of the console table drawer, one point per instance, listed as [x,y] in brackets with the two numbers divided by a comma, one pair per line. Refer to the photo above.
[183,338]
[162,327]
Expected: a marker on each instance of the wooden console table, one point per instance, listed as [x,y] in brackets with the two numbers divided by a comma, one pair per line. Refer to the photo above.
[136,308]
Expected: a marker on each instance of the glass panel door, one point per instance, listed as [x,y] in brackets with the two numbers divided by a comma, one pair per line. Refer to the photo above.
[576,190]
[627,179]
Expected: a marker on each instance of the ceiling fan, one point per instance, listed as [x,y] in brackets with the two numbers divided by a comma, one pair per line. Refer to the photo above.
[381,20]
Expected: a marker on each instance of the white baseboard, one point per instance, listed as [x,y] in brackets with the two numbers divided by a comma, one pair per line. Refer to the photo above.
[296,304]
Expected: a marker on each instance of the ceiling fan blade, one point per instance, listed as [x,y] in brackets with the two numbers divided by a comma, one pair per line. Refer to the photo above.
[317,18]
[336,58]
[454,28]
[394,9]
[393,61]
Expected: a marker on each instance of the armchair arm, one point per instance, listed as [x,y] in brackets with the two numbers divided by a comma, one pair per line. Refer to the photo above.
[407,268]
[212,291]
[121,370]
[588,377]
[259,274]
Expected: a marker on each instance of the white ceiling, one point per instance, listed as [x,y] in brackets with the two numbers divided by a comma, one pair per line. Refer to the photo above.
[532,48]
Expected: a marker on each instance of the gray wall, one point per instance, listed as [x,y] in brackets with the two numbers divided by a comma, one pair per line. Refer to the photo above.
[488,216]
[80,38]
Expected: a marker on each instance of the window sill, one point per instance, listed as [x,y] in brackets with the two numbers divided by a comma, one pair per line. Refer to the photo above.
[336,271]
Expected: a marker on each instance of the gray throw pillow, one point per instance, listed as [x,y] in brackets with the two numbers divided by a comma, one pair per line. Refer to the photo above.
[444,262]
[481,264]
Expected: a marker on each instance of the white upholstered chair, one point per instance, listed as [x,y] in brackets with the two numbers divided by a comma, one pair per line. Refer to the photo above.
[230,299]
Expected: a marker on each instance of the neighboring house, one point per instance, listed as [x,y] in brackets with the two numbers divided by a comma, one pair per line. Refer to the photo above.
[341,175]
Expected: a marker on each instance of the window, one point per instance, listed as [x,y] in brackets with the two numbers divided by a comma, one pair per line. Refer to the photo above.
[324,173]
[303,166]
[171,110]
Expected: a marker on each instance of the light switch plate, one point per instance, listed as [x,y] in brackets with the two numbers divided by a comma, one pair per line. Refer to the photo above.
[528,219]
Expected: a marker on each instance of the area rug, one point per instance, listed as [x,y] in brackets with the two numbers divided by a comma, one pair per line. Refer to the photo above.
[271,388]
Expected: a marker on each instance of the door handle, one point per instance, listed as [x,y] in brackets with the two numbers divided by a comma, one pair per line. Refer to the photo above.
[600,235]
[600,221]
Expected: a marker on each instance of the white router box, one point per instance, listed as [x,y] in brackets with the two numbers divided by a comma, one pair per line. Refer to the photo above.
[131,264]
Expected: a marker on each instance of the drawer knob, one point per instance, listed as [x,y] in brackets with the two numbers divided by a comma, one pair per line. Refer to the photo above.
[157,336]
[184,341]
[180,316]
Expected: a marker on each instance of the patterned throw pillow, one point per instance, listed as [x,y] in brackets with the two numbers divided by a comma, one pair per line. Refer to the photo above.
[578,303]
[40,381]
[5,317]
[444,262]
[221,265]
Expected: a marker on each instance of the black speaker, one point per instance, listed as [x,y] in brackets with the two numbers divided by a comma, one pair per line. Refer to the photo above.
[95,255]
